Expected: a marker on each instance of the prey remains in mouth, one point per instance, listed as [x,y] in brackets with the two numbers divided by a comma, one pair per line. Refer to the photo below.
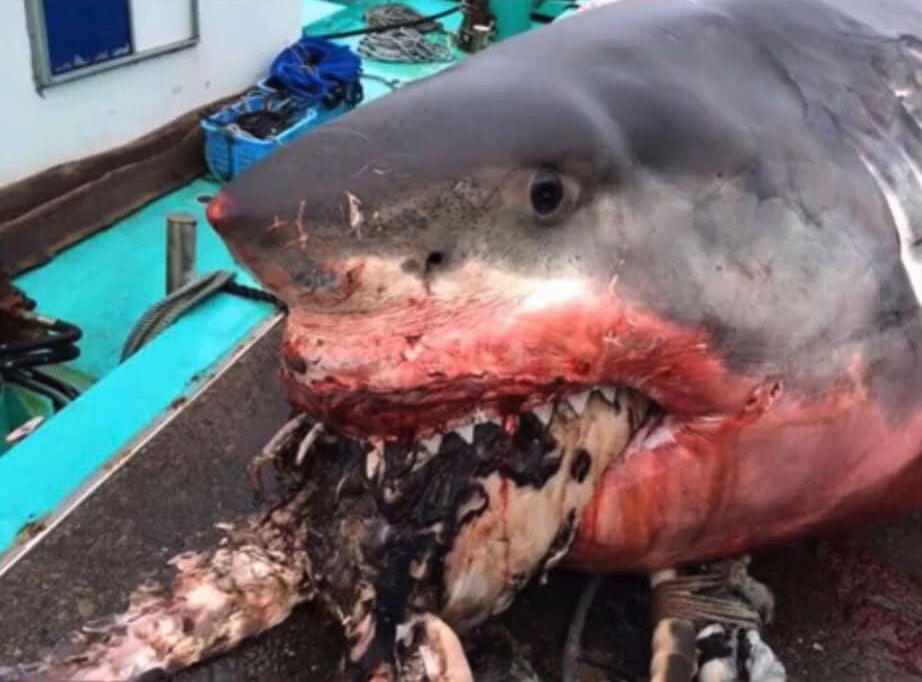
[407,545]
[466,519]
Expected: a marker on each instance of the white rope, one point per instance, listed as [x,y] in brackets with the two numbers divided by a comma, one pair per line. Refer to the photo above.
[405,44]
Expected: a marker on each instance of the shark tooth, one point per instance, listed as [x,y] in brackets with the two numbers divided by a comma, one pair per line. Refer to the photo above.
[609,392]
[374,461]
[432,444]
[544,413]
[578,401]
[467,433]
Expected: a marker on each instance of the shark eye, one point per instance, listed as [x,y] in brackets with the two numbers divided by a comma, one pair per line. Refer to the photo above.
[546,192]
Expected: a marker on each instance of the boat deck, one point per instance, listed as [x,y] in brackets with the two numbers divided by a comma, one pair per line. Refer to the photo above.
[125,533]
[104,284]
[153,454]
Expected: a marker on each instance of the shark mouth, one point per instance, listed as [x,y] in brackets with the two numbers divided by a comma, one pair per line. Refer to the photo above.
[467,428]
[468,517]
[404,543]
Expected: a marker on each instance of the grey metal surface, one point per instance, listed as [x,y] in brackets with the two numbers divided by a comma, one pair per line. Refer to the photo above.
[165,500]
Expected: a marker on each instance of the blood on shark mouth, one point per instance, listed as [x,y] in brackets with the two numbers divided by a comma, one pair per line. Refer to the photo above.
[464,520]
[403,543]
[473,427]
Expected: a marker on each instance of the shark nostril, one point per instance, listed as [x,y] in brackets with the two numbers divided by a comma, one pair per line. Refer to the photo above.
[434,260]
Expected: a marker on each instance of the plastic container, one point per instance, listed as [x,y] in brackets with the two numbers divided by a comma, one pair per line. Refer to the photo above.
[314,78]
[228,152]
[269,85]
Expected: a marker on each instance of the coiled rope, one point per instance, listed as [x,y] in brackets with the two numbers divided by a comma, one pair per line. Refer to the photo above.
[404,45]
[405,40]
[391,15]
[165,312]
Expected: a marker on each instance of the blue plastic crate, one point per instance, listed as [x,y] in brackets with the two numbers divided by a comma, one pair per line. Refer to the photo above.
[228,152]
[267,85]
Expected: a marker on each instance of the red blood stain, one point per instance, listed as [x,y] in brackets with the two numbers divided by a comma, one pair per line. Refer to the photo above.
[717,487]
[882,607]
[486,353]
[745,460]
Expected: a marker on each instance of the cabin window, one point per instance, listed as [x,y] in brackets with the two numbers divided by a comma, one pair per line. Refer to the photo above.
[77,38]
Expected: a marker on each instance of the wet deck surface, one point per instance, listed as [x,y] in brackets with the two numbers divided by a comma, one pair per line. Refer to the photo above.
[847,610]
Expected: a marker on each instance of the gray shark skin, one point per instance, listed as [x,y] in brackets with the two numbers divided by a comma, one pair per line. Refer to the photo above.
[635,290]
[738,236]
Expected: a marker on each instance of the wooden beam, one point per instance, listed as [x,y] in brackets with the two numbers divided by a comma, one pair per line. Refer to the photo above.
[47,212]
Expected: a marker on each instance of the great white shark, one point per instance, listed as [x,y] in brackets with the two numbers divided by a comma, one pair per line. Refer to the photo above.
[633,291]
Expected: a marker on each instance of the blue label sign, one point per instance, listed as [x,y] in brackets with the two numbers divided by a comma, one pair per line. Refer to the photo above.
[81,33]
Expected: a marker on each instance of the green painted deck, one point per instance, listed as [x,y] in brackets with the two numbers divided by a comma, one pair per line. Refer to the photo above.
[104,284]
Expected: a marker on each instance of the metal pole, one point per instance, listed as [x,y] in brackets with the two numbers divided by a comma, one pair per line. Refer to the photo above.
[180,250]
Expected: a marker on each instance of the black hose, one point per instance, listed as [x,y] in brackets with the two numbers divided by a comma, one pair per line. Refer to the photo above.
[60,385]
[19,378]
[390,27]
[254,294]
[392,83]
[67,334]
[50,356]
